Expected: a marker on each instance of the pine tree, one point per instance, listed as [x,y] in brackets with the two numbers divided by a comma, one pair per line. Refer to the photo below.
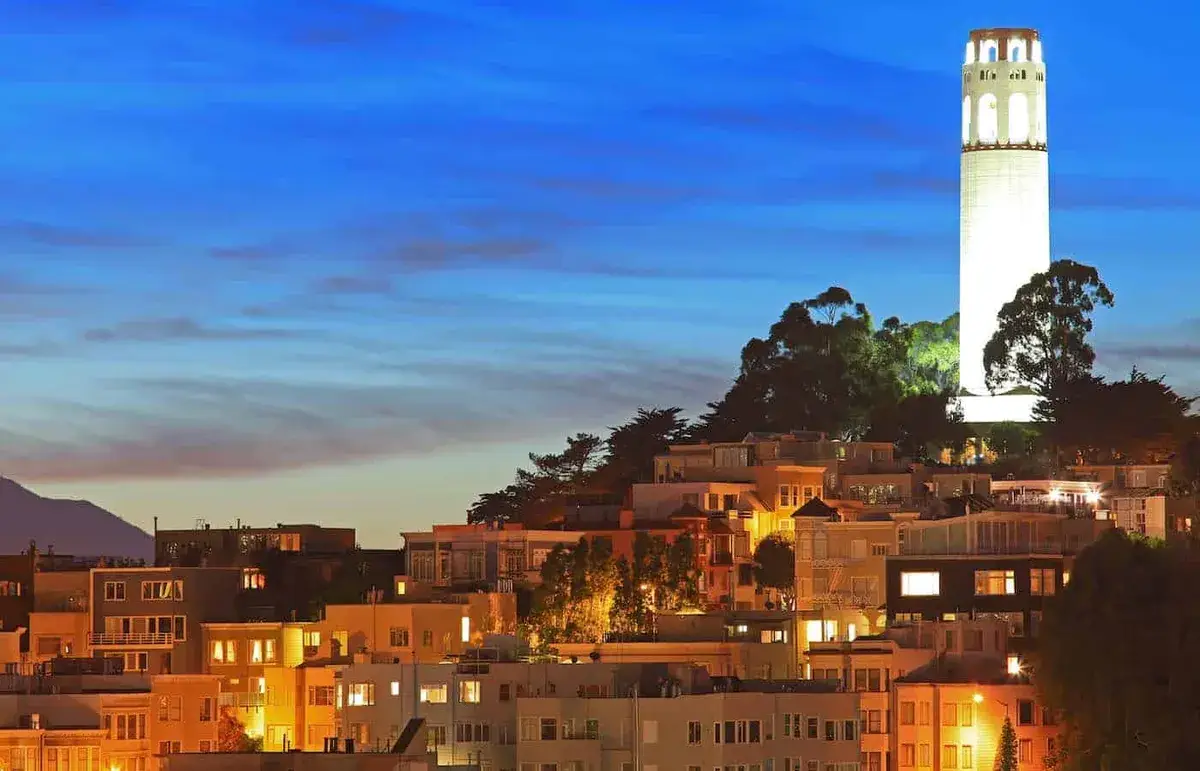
[1006,753]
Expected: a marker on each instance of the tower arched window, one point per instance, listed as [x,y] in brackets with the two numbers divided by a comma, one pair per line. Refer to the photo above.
[1018,118]
[987,125]
[992,53]
[966,120]
[970,57]
[1016,51]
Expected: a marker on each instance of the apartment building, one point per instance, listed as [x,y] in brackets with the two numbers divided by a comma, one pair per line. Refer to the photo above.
[486,556]
[869,665]
[512,715]
[16,589]
[469,707]
[85,722]
[756,725]
[59,621]
[996,564]
[425,632]
[152,617]
[949,715]
[754,644]
[841,568]
[255,663]
[241,546]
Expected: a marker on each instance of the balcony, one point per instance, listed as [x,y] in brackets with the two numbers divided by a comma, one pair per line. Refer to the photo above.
[243,700]
[130,639]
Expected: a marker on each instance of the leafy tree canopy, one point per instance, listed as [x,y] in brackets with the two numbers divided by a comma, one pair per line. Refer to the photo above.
[1131,702]
[1041,338]
[775,567]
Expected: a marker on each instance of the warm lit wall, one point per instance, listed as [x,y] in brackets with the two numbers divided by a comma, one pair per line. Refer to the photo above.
[318,715]
[133,752]
[184,709]
[978,716]
[58,633]
[746,660]
[434,629]
[50,749]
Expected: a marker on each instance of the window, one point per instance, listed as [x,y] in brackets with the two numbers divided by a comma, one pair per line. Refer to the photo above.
[253,578]
[830,730]
[427,638]
[785,496]
[223,652]
[114,591]
[995,582]
[468,692]
[920,584]
[871,721]
[166,748]
[950,714]
[908,713]
[967,757]
[1025,751]
[207,709]
[436,737]
[548,729]
[849,730]
[649,732]
[320,695]
[170,709]
[434,694]
[973,640]
[694,732]
[262,651]
[813,724]
[361,695]
[988,127]
[1041,581]
[966,714]
[398,636]
[10,589]
[1025,712]
[162,590]
[923,757]
[879,550]
[472,732]
[908,755]
[923,713]
[312,639]
[137,661]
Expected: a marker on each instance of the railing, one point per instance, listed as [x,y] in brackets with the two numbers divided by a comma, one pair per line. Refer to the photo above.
[243,700]
[958,549]
[99,639]
[845,600]
[721,558]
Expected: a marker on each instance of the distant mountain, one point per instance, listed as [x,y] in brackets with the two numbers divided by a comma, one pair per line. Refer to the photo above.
[78,528]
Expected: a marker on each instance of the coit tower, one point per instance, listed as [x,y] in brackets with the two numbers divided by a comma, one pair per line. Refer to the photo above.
[1004,205]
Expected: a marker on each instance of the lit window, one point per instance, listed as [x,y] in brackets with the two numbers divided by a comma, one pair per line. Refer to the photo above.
[921,584]
[468,692]
[988,126]
[253,578]
[224,652]
[1014,665]
[433,694]
[995,582]
[361,695]
[466,629]
[395,687]
[1041,581]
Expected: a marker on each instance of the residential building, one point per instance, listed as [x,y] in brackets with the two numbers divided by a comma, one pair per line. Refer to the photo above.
[152,617]
[241,546]
[426,632]
[949,716]
[515,715]
[868,665]
[299,761]
[744,644]
[256,665]
[753,725]
[121,722]
[16,589]
[841,568]
[59,621]
[996,564]
[485,556]
[1125,476]
[1142,511]
[1069,497]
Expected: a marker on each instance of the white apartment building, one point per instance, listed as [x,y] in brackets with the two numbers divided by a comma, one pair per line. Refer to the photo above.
[542,716]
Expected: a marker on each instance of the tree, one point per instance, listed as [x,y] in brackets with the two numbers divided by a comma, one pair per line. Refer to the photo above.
[232,736]
[823,367]
[775,567]
[920,425]
[1041,337]
[1130,703]
[932,365]
[1006,748]
[1010,440]
[1096,421]
[631,446]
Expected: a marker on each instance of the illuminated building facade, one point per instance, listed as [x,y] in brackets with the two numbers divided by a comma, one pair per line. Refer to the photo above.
[1004,213]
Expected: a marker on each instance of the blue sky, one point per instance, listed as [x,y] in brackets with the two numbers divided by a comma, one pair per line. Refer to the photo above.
[349,261]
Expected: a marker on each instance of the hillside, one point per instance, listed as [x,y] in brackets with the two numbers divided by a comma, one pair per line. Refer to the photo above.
[79,528]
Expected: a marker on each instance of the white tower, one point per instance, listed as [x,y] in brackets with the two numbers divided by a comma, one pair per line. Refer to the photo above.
[1004,207]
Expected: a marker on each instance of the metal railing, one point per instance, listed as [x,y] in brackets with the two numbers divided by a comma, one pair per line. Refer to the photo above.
[96,639]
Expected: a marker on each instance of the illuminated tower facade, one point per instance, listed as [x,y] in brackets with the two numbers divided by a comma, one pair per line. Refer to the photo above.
[1004,206]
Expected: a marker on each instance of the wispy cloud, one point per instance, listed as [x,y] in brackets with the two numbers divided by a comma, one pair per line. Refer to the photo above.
[55,235]
[182,329]
[231,428]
